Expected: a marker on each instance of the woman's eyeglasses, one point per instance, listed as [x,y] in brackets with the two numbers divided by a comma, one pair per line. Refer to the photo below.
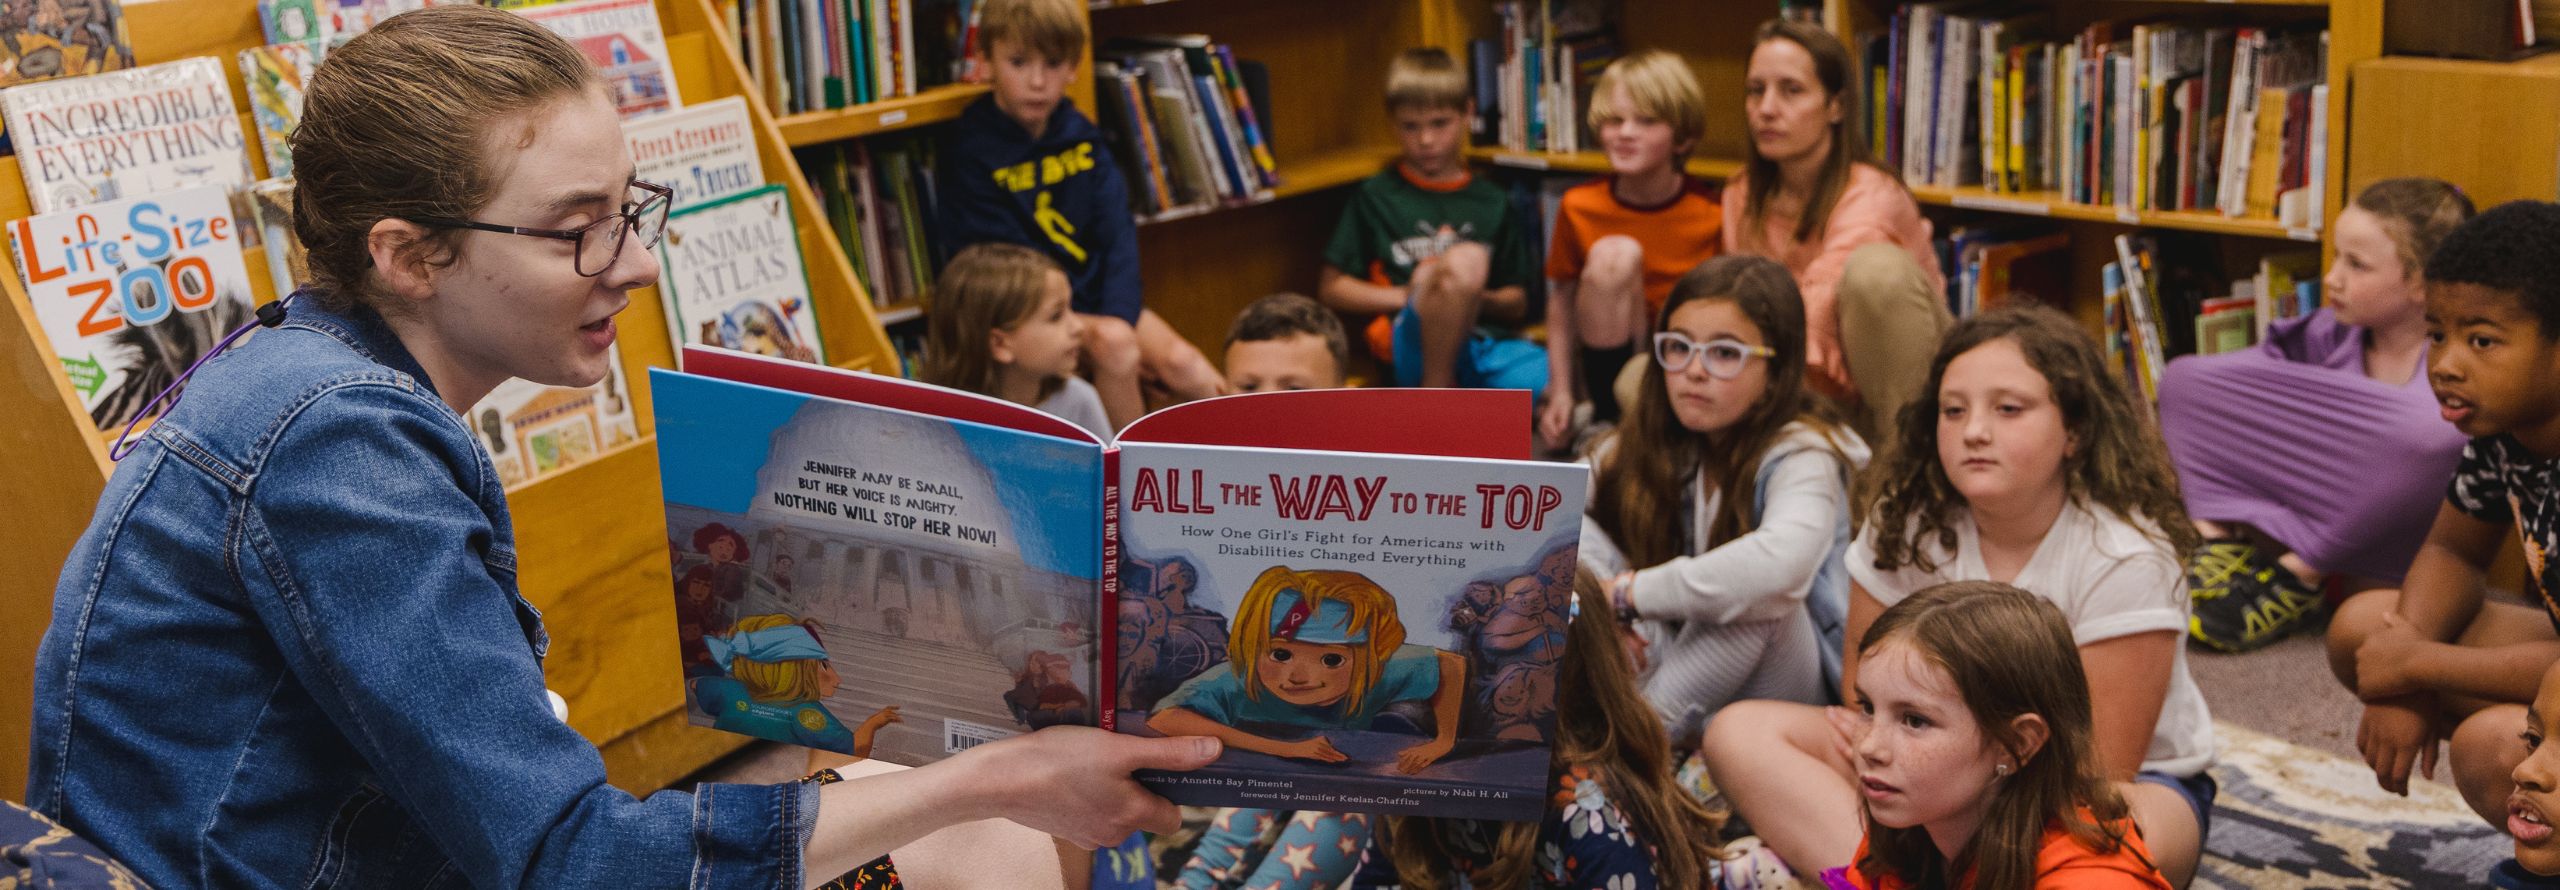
[1723,357]
[643,213]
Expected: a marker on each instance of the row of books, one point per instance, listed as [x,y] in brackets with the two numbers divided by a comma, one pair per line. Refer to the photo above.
[2138,115]
[2158,305]
[1188,123]
[819,55]
[878,196]
[1990,267]
[1533,83]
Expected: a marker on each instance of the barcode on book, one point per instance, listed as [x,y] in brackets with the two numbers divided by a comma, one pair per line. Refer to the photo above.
[962,735]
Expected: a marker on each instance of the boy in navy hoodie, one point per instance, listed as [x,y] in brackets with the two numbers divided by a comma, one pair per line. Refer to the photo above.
[1023,166]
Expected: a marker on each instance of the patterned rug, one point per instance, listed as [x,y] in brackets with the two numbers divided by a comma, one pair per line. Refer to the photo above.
[2296,817]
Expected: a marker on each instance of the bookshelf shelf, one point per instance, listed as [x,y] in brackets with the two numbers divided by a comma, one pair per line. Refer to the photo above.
[1591,162]
[2044,204]
[1329,170]
[902,312]
[932,106]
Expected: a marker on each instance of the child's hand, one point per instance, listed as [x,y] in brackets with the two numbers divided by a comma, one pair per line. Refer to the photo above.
[1848,728]
[883,717]
[1317,749]
[1555,421]
[2382,663]
[2392,738]
[1413,759]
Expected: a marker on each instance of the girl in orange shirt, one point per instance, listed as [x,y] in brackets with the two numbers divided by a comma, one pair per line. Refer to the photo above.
[1975,756]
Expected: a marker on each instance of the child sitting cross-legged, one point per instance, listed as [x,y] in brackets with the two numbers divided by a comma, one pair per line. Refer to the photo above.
[1285,342]
[2343,394]
[1621,240]
[1975,751]
[1001,327]
[2435,659]
[1721,506]
[1433,252]
[1023,166]
[2020,462]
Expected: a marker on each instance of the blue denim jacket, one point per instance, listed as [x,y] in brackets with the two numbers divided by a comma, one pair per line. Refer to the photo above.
[289,651]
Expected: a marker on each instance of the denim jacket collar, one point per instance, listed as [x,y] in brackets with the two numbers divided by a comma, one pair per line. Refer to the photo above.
[361,329]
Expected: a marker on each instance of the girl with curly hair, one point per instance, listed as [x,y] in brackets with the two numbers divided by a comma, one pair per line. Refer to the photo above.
[2022,462]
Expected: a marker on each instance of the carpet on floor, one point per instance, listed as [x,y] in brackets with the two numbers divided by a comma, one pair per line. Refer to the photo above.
[2291,816]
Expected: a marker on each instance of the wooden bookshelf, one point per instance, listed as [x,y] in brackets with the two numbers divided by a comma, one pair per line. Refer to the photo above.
[591,546]
[2047,204]
[932,106]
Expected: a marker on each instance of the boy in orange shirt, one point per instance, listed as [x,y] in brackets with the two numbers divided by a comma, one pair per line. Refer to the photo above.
[1622,240]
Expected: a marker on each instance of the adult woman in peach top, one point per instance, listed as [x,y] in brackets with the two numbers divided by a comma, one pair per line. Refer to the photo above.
[1874,298]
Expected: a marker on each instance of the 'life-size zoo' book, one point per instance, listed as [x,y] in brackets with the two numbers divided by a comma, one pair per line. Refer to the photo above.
[1364,593]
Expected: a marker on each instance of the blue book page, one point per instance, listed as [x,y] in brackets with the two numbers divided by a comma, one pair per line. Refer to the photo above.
[837,564]
[1367,633]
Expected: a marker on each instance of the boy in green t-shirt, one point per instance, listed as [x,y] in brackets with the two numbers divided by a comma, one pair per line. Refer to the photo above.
[1434,249]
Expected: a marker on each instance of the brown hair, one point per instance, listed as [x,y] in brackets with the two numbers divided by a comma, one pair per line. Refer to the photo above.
[1425,78]
[992,286]
[2119,463]
[1603,726]
[395,125]
[1053,28]
[1831,66]
[1284,315]
[1652,458]
[1662,87]
[2417,213]
[2010,654]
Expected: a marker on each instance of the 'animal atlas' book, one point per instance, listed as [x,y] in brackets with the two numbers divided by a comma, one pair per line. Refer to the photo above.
[1371,616]
[131,292]
[734,277]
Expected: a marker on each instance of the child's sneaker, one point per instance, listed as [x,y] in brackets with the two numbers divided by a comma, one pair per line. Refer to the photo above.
[2241,602]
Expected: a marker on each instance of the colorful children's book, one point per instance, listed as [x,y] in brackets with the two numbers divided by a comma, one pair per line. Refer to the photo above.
[130,292]
[734,277]
[293,21]
[705,152]
[157,128]
[275,75]
[1370,612]
[78,37]
[626,43]
[532,431]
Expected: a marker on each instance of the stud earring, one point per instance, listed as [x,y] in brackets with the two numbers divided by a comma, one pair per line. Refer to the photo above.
[2000,771]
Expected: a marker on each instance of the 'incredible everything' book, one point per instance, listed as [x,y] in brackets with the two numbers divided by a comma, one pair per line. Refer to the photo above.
[1371,616]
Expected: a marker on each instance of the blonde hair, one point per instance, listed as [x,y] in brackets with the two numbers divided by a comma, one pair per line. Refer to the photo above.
[1662,87]
[395,126]
[1425,78]
[2417,213]
[987,287]
[1053,28]
[1373,611]
[795,680]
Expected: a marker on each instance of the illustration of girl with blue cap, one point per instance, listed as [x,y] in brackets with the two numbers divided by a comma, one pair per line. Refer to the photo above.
[1319,649]
[778,675]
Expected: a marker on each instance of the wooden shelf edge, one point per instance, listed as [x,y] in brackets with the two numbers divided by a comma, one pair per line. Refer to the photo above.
[890,315]
[932,106]
[1325,171]
[1591,162]
[2044,204]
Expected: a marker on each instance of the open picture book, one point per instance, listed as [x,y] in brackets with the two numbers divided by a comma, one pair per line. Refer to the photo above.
[1364,593]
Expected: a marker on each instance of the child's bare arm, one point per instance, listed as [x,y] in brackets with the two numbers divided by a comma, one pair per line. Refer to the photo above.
[1344,293]
[2442,593]
[1555,420]
[2128,682]
[1505,304]
[2395,661]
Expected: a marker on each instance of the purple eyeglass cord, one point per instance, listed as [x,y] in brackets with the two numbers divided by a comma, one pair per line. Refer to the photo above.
[269,315]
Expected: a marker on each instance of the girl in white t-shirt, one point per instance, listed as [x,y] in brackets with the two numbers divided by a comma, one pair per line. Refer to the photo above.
[2021,462]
